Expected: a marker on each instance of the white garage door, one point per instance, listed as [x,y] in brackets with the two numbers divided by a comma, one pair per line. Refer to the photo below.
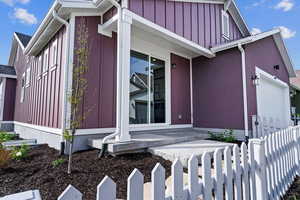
[273,99]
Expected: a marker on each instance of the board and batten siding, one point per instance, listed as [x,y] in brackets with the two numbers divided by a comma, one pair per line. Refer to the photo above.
[198,22]
[99,101]
[42,103]
[180,90]
[9,99]
[217,91]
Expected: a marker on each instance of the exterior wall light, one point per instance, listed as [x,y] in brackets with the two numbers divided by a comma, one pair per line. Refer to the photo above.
[255,79]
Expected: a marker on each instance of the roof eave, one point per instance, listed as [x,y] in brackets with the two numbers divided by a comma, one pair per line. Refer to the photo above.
[276,33]
[56,5]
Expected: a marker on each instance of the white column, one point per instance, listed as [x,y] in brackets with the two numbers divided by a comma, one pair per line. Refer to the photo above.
[124,40]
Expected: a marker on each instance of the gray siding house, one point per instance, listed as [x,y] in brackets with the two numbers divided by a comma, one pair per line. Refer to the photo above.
[153,64]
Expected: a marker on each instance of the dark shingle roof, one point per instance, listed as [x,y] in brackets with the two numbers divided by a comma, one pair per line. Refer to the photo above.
[7,70]
[23,38]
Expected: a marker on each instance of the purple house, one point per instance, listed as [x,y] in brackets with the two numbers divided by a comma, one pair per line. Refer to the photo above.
[153,64]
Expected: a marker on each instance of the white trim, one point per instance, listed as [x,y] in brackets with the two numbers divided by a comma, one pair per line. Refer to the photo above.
[245,98]
[279,82]
[7,122]
[243,41]
[224,15]
[152,50]
[278,41]
[94,131]
[108,27]
[8,76]
[168,35]
[19,41]
[56,131]
[2,99]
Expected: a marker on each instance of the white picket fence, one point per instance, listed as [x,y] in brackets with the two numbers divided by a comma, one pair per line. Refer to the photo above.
[260,171]
[263,126]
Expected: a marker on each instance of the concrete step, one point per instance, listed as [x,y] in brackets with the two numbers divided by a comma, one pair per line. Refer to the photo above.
[145,140]
[14,143]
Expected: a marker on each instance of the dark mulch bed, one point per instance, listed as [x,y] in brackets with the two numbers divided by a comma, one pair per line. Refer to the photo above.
[294,191]
[37,172]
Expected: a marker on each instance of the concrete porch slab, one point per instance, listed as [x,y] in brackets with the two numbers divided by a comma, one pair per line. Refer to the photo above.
[142,140]
[184,150]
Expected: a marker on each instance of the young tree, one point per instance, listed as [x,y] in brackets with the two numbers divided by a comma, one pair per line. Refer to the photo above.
[80,84]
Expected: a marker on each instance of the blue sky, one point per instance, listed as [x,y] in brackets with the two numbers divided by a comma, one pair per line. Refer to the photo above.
[260,15]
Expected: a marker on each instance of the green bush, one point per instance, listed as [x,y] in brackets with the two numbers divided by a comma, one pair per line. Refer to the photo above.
[227,136]
[4,137]
[19,153]
[56,163]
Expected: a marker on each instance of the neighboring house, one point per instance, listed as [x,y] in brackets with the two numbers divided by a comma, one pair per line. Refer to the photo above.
[153,64]
[295,93]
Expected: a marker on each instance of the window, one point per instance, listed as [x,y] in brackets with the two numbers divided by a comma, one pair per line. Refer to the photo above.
[147,89]
[27,80]
[54,54]
[39,66]
[225,25]
[23,88]
[45,63]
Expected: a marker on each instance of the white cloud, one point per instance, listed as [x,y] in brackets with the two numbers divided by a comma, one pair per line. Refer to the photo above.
[24,16]
[8,2]
[255,31]
[13,2]
[24,1]
[284,5]
[286,32]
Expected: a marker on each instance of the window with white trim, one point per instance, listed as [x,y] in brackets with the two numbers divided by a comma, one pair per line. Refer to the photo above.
[225,25]
[27,80]
[45,63]
[23,87]
[40,66]
[54,54]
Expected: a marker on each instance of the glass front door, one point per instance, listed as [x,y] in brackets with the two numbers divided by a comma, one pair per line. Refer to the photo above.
[147,89]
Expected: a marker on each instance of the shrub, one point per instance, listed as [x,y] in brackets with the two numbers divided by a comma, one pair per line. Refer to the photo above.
[227,136]
[6,137]
[19,153]
[4,157]
[56,163]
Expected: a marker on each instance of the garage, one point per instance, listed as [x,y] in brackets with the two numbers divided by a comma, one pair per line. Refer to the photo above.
[272,98]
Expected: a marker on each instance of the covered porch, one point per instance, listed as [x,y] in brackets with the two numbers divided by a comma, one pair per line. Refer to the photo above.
[147,55]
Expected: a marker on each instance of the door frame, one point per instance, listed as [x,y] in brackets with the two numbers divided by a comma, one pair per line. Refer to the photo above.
[273,79]
[155,51]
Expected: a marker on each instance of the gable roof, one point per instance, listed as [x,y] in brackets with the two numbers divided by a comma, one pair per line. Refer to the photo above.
[19,39]
[7,71]
[23,39]
[295,81]
[276,33]
[232,8]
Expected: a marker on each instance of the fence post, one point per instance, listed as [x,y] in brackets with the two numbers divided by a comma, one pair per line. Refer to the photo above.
[260,172]
[296,147]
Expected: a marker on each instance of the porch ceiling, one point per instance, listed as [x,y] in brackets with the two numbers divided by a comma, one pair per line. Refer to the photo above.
[148,30]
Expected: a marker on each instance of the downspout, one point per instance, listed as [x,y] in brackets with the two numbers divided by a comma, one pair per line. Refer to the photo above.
[65,69]
[118,108]
[245,103]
